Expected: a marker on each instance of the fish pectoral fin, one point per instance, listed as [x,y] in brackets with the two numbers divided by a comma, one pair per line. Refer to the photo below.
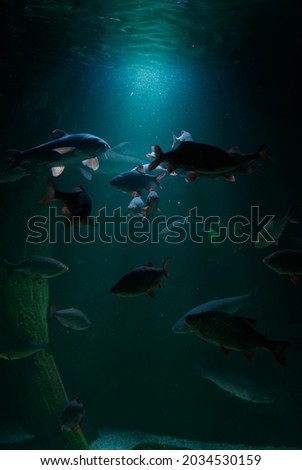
[66,211]
[249,354]
[57,170]
[225,351]
[230,178]
[92,163]
[159,284]
[64,150]
[150,293]
[191,176]
[250,321]
[294,278]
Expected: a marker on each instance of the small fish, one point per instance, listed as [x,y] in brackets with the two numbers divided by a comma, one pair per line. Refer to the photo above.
[184,137]
[136,205]
[36,268]
[285,262]
[72,416]
[231,332]
[76,204]
[13,175]
[15,349]
[70,317]
[204,160]
[65,149]
[226,304]
[275,228]
[135,180]
[152,203]
[239,387]
[140,280]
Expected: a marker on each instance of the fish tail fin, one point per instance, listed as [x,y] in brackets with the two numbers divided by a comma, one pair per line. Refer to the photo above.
[278,350]
[158,157]
[263,155]
[165,264]
[51,193]
[9,267]
[51,313]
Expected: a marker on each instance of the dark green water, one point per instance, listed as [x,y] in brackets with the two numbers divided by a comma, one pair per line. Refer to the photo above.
[228,74]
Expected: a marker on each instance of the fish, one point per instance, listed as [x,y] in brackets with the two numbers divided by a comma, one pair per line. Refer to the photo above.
[72,416]
[17,348]
[14,174]
[75,204]
[178,225]
[36,268]
[135,180]
[234,333]
[287,262]
[275,228]
[64,150]
[205,160]
[140,280]
[115,161]
[152,202]
[136,205]
[240,387]
[227,304]
[70,317]
[184,137]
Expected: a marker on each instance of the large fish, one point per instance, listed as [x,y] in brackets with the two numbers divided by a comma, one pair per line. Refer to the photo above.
[239,387]
[233,333]
[71,318]
[64,150]
[140,280]
[226,304]
[72,416]
[285,262]
[75,204]
[135,180]
[14,349]
[36,268]
[205,160]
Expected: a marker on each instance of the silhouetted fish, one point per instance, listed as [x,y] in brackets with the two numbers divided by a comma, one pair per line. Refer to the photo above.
[231,332]
[140,280]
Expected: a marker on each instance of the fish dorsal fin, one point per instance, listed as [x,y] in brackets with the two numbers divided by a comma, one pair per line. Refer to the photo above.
[67,306]
[140,169]
[57,170]
[57,133]
[150,264]
[92,163]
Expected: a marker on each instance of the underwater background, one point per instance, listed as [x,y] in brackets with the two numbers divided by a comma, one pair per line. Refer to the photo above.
[228,72]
